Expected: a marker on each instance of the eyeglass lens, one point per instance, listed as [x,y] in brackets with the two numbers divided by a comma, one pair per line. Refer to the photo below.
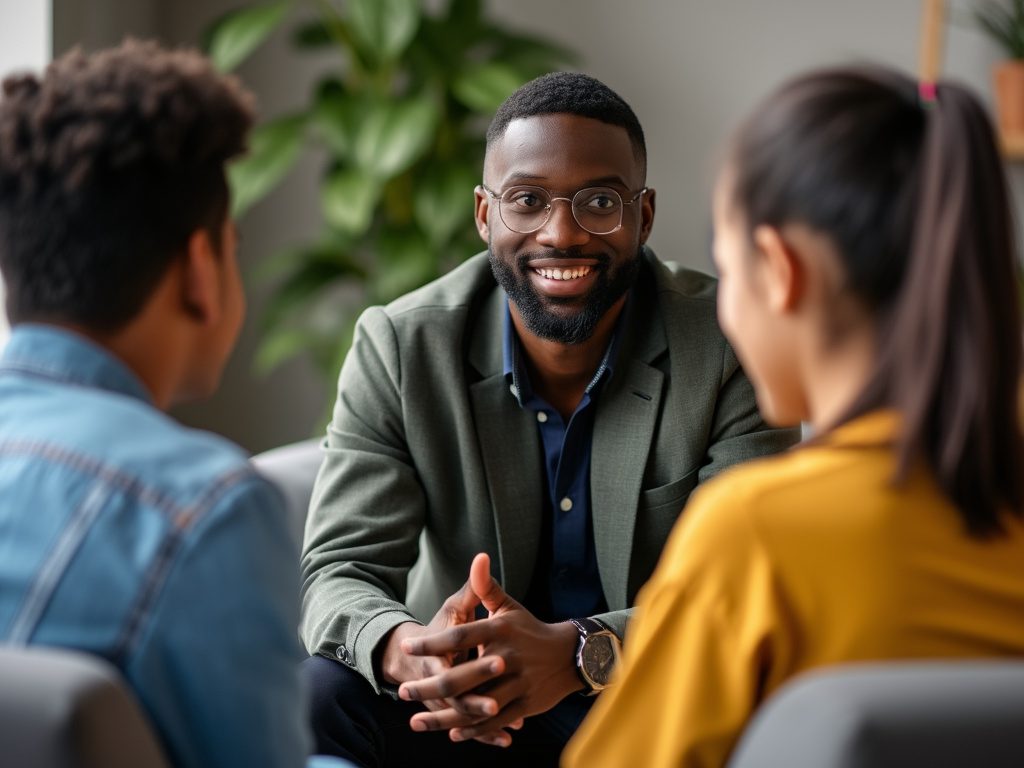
[526,209]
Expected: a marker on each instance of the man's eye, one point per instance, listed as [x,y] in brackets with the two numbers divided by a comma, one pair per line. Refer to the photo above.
[527,201]
[601,202]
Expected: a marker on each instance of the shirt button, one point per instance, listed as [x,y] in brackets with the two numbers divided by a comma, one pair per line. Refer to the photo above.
[565,504]
[541,416]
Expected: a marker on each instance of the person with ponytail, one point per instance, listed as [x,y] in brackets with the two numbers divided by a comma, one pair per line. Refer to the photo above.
[868,282]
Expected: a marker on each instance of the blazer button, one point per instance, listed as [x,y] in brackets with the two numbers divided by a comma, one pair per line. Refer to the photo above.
[343,655]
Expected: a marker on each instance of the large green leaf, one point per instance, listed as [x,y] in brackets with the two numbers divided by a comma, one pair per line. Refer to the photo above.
[537,54]
[384,27]
[336,117]
[348,199]
[240,32]
[443,200]
[405,260]
[279,344]
[394,134]
[484,88]
[274,148]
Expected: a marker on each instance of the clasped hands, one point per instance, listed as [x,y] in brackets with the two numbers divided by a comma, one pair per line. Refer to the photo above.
[523,667]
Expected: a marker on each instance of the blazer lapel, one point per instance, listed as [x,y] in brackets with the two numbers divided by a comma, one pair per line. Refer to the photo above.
[624,426]
[510,450]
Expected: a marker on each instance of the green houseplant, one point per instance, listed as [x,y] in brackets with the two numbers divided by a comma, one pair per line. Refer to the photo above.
[402,120]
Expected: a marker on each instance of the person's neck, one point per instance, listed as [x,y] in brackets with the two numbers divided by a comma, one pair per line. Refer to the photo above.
[559,372]
[836,377]
[151,347]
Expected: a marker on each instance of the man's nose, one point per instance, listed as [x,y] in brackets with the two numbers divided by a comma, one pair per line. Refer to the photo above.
[561,230]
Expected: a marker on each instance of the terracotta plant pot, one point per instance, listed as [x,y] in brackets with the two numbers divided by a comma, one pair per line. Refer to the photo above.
[1009,83]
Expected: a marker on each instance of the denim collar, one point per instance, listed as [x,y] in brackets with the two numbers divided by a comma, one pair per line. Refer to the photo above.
[59,354]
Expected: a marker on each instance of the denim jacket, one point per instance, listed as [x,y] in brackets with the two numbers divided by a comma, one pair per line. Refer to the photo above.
[125,535]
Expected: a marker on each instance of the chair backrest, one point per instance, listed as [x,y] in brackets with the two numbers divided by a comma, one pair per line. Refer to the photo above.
[889,715]
[62,709]
[293,468]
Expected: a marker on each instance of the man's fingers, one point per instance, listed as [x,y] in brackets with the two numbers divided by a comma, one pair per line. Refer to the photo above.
[463,637]
[462,605]
[500,738]
[446,719]
[511,714]
[458,681]
[484,586]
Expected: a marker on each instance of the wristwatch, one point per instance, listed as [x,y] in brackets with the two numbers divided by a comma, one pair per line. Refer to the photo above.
[596,654]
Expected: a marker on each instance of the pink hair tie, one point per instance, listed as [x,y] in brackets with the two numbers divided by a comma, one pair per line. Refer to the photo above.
[926,92]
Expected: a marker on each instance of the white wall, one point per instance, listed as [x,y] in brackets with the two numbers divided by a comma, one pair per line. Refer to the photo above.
[690,69]
[25,35]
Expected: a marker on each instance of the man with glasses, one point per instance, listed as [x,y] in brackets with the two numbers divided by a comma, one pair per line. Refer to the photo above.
[546,408]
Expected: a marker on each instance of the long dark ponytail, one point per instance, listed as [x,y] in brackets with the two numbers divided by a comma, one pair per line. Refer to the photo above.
[914,197]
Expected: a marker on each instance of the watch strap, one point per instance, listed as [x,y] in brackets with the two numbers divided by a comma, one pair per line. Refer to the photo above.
[588,626]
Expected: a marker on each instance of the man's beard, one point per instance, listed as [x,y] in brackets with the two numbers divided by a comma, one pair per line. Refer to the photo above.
[610,285]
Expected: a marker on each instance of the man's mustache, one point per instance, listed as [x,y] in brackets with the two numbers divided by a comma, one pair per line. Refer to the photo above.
[524,259]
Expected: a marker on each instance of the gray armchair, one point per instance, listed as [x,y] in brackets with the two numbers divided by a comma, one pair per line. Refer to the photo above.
[939,714]
[62,709]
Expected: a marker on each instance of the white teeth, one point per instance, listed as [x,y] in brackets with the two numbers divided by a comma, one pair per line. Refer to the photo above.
[564,274]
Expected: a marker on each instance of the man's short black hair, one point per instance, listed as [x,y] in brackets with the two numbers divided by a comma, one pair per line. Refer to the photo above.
[108,163]
[569,93]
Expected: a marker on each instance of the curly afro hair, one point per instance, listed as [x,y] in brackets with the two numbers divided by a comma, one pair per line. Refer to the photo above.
[108,163]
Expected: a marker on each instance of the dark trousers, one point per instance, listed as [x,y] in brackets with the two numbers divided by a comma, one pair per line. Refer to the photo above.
[353,722]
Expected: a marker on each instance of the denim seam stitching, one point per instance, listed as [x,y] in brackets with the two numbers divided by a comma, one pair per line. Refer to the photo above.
[49,574]
[182,517]
[158,570]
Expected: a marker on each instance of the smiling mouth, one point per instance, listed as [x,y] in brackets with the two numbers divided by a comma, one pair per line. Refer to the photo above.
[569,273]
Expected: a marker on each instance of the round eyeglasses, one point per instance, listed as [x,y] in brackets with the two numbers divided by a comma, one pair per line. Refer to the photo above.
[525,209]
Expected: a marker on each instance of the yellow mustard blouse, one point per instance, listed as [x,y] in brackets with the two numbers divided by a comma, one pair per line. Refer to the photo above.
[798,561]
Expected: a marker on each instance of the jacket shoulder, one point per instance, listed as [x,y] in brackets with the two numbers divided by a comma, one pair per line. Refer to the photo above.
[676,280]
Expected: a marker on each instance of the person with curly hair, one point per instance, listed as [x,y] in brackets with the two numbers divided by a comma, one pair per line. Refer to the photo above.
[123,534]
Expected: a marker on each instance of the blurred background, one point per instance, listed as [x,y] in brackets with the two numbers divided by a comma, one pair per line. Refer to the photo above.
[691,69]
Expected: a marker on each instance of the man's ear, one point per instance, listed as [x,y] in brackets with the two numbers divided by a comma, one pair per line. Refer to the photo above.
[781,271]
[201,279]
[482,208]
[646,215]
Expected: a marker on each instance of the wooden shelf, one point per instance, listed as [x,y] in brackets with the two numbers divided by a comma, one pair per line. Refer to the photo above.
[1012,145]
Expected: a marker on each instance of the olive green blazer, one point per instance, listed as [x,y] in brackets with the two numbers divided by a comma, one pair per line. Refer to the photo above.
[430,460]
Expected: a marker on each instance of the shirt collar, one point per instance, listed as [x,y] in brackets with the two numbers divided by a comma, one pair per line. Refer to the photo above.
[62,355]
[880,427]
[519,382]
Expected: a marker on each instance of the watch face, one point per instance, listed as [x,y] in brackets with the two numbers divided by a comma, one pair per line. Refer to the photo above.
[599,658]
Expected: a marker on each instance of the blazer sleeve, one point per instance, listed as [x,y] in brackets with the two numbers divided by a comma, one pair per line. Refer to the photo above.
[738,433]
[367,509]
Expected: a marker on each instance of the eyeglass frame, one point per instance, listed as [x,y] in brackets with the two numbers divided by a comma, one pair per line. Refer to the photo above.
[572,208]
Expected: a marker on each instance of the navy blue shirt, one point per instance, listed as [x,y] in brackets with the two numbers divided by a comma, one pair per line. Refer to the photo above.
[566,583]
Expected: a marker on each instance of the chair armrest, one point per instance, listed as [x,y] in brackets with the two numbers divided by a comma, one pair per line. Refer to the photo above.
[64,709]
[948,713]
